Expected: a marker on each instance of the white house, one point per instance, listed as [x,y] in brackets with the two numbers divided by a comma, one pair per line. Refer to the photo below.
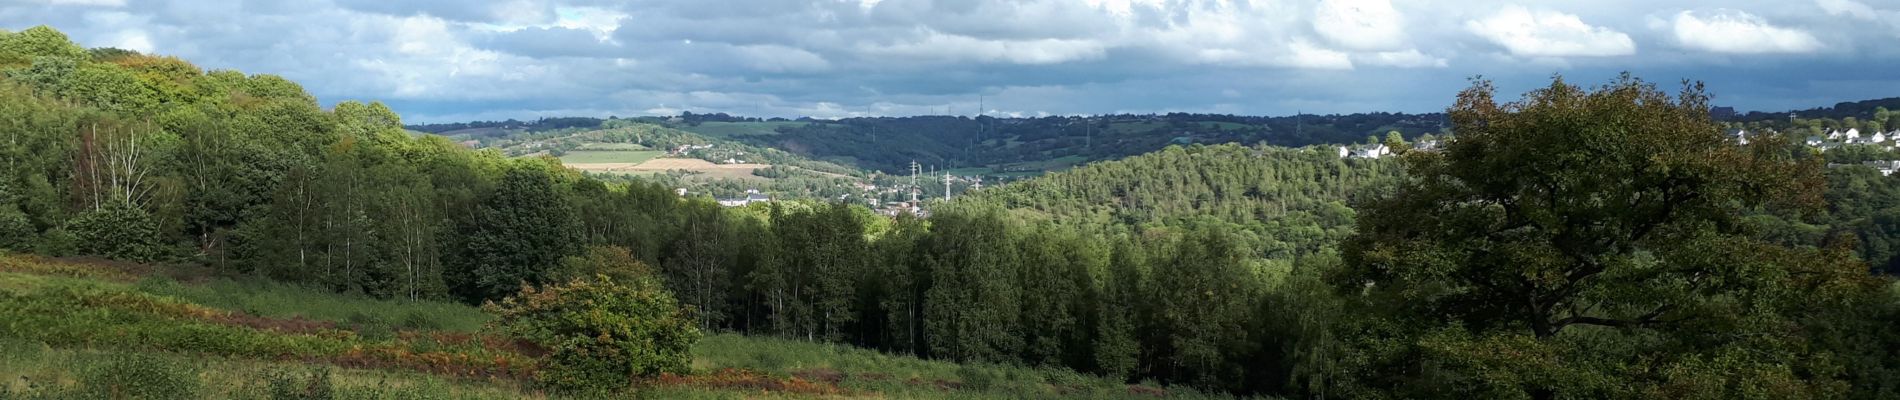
[1815,141]
[1739,136]
[1878,137]
[752,196]
[1886,168]
[1371,151]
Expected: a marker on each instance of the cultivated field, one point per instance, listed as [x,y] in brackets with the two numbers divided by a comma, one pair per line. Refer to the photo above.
[609,156]
[706,169]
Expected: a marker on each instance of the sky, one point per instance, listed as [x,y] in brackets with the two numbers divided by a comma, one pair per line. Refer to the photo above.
[455,60]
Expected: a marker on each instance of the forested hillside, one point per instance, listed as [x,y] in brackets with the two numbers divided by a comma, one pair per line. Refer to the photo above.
[1601,242]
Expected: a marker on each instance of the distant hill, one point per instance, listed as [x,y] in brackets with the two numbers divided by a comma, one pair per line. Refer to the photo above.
[1016,147]
[1295,199]
[1857,109]
[1005,146]
[498,128]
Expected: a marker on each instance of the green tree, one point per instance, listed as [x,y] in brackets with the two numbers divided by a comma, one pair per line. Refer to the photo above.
[517,235]
[1616,233]
[39,41]
[1395,140]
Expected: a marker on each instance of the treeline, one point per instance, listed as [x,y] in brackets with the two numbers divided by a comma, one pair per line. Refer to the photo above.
[890,143]
[1864,109]
[542,124]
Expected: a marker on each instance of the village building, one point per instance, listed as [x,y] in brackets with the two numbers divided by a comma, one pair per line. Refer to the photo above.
[752,196]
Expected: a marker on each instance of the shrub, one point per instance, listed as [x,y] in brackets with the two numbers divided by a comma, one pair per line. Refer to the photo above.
[56,242]
[117,231]
[600,333]
[16,232]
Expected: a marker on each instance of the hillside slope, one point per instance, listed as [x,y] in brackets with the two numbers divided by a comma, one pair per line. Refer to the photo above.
[88,329]
[1295,200]
[988,145]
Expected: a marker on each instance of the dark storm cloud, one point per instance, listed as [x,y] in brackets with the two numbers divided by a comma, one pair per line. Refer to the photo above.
[437,60]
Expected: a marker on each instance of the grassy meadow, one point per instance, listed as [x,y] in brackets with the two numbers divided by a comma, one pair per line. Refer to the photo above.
[84,329]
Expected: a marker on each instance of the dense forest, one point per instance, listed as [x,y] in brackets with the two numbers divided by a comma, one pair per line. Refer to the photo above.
[891,143]
[1582,243]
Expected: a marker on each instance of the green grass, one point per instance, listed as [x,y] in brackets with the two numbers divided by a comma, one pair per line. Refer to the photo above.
[32,370]
[282,300]
[77,330]
[864,370]
[609,156]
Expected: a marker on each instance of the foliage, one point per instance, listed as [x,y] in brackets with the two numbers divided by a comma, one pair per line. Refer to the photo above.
[1617,234]
[517,233]
[600,332]
[139,376]
[118,231]
[1211,265]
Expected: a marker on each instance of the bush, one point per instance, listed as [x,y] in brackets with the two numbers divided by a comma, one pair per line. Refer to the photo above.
[600,333]
[56,242]
[16,232]
[118,231]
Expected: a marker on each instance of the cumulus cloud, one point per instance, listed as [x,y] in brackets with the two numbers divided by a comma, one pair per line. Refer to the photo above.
[1410,58]
[948,47]
[1737,32]
[104,3]
[1544,33]
[1371,25]
[452,59]
[1849,8]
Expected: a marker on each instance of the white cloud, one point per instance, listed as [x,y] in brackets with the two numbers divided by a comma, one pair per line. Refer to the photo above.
[1737,32]
[1410,58]
[773,58]
[450,59]
[1543,33]
[1366,25]
[135,41]
[1847,7]
[948,47]
[99,3]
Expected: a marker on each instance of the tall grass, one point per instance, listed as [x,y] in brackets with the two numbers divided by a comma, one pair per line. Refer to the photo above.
[284,300]
[68,331]
[898,376]
[30,370]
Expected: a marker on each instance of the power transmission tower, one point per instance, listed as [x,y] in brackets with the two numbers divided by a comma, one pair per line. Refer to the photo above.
[915,169]
[946,185]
